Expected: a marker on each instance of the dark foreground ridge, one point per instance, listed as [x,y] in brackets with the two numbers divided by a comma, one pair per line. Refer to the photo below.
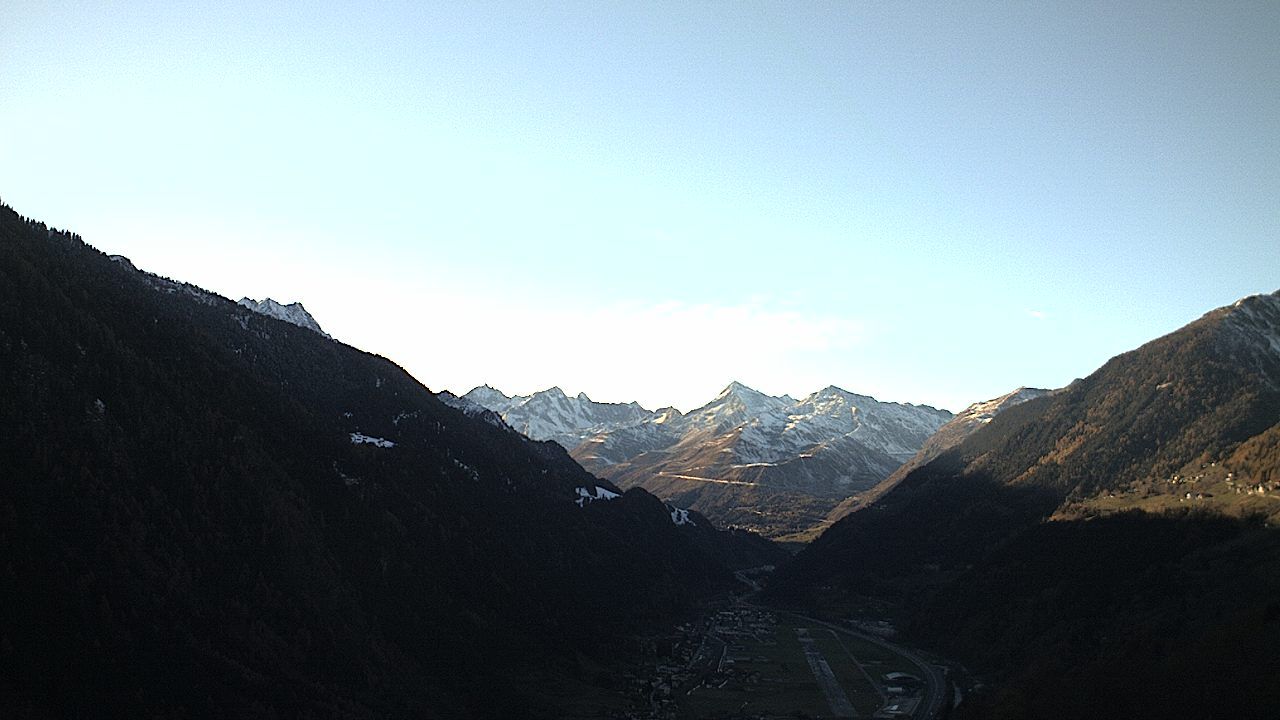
[210,512]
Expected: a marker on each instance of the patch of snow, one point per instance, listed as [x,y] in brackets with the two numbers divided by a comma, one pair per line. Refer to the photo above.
[361,439]
[586,496]
[665,415]
[680,516]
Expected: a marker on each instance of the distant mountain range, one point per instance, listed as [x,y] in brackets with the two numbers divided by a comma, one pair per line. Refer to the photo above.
[552,415]
[776,465]
[1094,550]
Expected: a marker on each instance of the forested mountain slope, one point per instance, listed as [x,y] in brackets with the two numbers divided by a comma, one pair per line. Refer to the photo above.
[207,511]
[1105,550]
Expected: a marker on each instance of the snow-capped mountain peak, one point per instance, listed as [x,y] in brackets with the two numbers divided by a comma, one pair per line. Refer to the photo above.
[665,415]
[293,313]
[552,415]
[821,448]
[744,393]
[491,398]
[1253,324]
[472,409]
[735,405]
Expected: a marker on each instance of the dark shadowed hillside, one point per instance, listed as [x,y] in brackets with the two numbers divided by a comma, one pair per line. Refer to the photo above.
[1107,550]
[211,512]
[954,432]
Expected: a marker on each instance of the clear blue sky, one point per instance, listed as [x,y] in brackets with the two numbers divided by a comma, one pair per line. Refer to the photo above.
[931,203]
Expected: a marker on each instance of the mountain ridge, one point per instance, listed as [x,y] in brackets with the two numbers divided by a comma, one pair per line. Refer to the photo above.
[773,464]
[964,424]
[552,415]
[293,313]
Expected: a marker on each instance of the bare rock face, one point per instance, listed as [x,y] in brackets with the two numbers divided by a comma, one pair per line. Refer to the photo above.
[291,313]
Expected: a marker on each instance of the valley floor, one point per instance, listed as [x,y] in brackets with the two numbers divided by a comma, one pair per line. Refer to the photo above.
[741,660]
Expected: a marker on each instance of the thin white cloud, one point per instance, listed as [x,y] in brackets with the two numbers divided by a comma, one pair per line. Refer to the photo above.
[1037,314]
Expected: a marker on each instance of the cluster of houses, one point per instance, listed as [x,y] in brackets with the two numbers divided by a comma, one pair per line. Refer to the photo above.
[676,663]
[696,655]
[1251,488]
[734,627]
[721,651]
[655,684]
[1234,484]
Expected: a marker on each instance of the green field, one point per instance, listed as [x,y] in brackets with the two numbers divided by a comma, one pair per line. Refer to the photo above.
[786,684]
[876,659]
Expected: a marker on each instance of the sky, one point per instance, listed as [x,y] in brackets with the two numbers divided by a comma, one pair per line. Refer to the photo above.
[928,203]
